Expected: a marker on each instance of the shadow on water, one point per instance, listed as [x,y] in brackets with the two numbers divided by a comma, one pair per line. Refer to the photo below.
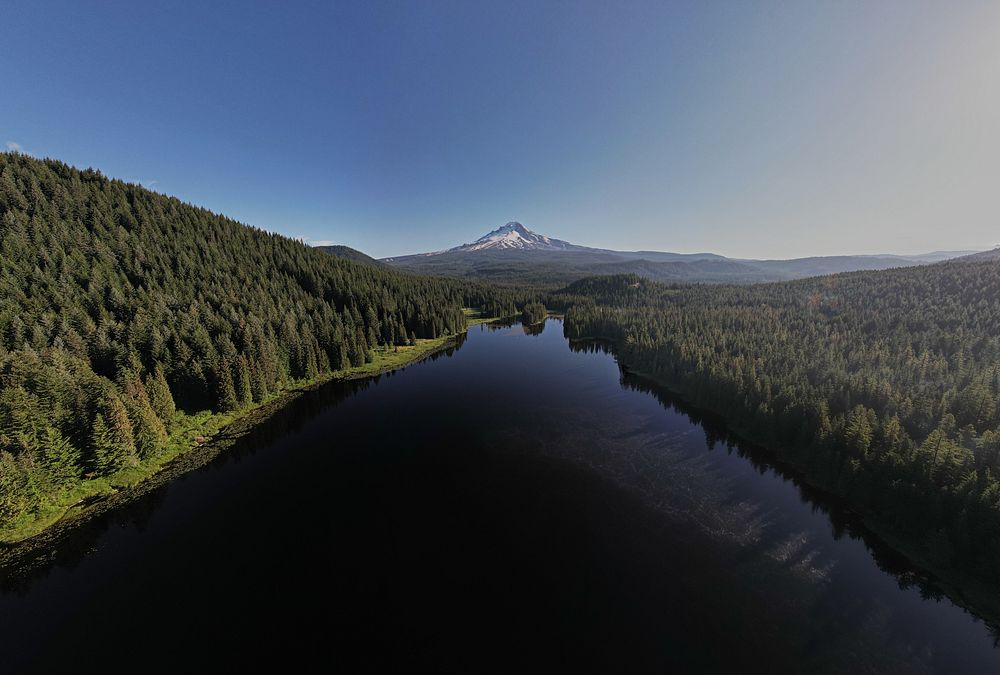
[454,523]
[66,546]
[843,521]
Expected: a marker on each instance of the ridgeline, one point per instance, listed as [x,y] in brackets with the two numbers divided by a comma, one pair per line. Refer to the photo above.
[130,320]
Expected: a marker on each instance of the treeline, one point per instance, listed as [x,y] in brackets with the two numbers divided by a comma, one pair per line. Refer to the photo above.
[533,312]
[884,387]
[119,305]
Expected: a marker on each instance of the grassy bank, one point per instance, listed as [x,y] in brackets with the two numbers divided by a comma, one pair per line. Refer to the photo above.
[204,434]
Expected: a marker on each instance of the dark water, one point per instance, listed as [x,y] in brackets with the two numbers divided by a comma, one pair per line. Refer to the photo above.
[514,505]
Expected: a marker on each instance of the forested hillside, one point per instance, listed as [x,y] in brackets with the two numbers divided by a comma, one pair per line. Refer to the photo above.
[993,254]
[348,253]
[883,386]
[555,268]
[119,306]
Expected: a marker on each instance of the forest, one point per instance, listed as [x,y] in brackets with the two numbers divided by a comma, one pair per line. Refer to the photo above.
[121,309]
[882,387]
[533,313]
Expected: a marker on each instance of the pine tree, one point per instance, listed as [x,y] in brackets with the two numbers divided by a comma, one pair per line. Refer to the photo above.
[258,382]
[160,397]
[148,430]
[858,433]
[14,497]
[59,457]
[19,414]
[343,356]
[120,441]
[225,395]
[108,457]
[242,383]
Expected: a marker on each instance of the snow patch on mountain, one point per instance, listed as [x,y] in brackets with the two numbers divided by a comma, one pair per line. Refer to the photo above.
[516,236]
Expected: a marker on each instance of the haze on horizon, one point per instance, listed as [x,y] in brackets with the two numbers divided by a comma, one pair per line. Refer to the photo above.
[754,130]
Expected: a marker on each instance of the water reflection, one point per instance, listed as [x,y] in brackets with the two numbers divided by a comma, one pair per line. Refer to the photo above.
[454,511]
[65,546]
[534,329]
[794,551]
[502,324]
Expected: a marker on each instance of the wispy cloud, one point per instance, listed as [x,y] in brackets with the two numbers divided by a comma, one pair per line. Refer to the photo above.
[15,147]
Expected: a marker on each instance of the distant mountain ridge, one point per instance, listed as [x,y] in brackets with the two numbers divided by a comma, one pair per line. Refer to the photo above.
[993,254]
[513,253]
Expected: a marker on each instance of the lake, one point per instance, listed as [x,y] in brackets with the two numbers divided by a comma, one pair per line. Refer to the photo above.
[516,503]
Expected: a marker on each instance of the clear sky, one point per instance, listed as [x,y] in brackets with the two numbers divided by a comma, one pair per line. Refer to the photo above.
[753,129]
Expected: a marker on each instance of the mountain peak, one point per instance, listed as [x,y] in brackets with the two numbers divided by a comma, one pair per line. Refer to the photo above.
[514,226]
[516,236]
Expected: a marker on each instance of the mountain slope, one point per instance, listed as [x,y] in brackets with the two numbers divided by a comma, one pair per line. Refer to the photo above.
[348,253]
[515,236]
[721,270]
[982,255]
[120,306]
[800,268]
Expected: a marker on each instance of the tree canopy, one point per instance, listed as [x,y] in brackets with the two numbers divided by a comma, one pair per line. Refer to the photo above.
[883,387]
[119,305]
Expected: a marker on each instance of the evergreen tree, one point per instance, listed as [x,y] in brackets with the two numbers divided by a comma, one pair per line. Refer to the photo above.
[14,494]
[160,398]
[258,383]
[59,457]
[120,439]
[225,389]
[108,457]
[241,382]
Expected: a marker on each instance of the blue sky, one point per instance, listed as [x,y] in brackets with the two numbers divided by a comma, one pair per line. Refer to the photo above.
[750,129]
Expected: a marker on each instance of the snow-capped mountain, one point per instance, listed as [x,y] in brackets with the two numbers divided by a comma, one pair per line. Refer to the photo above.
[516,236]
[513,253]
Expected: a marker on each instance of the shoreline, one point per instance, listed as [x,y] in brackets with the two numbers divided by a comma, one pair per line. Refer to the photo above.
[199,439]
[956,585]
[962,589]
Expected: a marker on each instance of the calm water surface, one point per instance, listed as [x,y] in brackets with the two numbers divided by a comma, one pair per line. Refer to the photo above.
[514,504]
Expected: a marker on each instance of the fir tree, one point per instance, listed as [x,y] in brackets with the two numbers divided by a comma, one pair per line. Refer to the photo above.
[160,398]
[242,383]
[225,389]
